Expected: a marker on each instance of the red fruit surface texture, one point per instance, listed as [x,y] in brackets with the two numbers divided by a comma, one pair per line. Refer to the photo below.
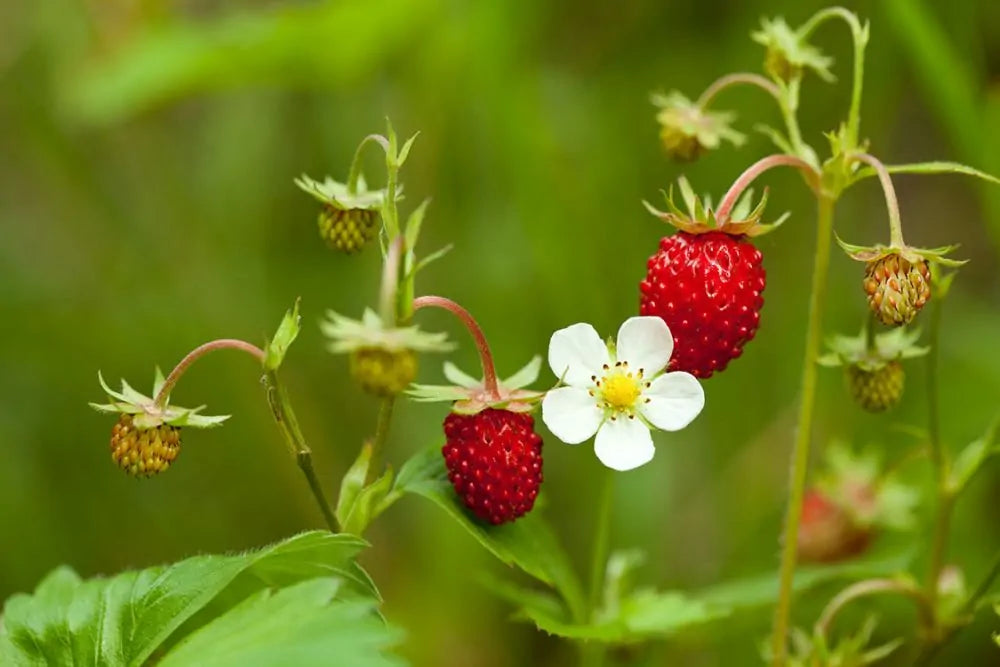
[707,288]
[494,460]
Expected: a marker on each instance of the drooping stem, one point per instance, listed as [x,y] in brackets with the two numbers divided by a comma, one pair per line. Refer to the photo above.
[863,589]
[485,356]
[756,169]
[860,38]
[891,203]
[800,452]
[355,173]
[288,424]
[197,353]
[738,78]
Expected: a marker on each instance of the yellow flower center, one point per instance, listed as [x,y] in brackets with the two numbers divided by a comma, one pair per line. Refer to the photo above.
[620,388]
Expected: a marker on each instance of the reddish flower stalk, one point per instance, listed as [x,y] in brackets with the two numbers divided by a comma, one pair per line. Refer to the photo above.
[755,170]
[485,356]
[197,353]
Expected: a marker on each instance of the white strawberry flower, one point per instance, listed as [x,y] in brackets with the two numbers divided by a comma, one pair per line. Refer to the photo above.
[618,391]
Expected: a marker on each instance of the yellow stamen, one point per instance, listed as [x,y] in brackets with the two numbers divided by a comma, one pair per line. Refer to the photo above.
[620,390]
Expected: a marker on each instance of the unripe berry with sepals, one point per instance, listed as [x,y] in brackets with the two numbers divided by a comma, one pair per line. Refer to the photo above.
[494,460]
[687,130]
[383,372]
[876,390]
[144,452]
[897,288]
[788,55]
[146,440]
[827,532]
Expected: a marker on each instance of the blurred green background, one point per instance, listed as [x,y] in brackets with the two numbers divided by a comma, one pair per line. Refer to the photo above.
[147,150]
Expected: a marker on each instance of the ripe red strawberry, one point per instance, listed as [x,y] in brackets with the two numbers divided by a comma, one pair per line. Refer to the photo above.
[494,460]
[707,288]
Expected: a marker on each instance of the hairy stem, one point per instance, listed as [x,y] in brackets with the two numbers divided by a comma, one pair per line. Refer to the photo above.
[891,203]
[485,356]
[284,417]
[738,78]
[752,172]
[197,353]
[800,452]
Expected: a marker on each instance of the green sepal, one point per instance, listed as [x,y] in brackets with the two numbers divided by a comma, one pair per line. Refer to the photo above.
[686,118]
[457,376]
[469,395]
[436,393]
[338,195]
[526,375]
[286,334]
[700,217]
[892,345]
[781,41]
[146,413]
[348,335]
[873,253]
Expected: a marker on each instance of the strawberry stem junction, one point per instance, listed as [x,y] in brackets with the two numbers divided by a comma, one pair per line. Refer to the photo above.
[891,203]
[485,356]
[756,169]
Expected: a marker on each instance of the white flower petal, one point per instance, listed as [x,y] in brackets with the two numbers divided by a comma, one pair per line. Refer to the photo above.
[675,399]
[646,343]
[623,444]
[576,353]
[571,414]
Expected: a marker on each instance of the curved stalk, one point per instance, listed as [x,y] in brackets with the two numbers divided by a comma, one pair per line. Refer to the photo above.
[485,356]
[800,452]
[738,78]
[866,588]
[756,169]
[891,203]
[355,173]
[199,352]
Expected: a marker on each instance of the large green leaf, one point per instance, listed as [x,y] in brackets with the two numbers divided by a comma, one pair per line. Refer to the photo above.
[527,543]
[305,624]
[122,620]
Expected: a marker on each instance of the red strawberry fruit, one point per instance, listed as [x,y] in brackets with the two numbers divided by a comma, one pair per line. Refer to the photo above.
[494,460]
[707,288]
[828,532]
[706,281]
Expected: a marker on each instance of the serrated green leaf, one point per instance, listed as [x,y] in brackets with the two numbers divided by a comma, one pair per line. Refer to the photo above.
[935,167]
[304,624]
[122,620]
[277,347]
[527,543]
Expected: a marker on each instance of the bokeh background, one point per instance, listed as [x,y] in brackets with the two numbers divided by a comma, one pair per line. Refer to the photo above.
[147,150]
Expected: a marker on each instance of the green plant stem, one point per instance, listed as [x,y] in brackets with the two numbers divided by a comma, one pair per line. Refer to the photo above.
[602,535]
[355,173]
[738,78]
[859,36]
[866,588]
[939,463]
[381,435]
[284,416]
[800,453]
[197,353]
[789,103]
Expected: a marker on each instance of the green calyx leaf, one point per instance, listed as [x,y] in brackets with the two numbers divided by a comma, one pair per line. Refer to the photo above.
[146,413]
[914,255]
[338,195]
[895,344]
[687,129]
[288,331]
[699,217]
[788,54]
[470,395]
[347,335]
[304,599]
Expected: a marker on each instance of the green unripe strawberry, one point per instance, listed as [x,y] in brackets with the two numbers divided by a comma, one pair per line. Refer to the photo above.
[897,288]
[383,372]
[347,230]
[144,452]
[879,389]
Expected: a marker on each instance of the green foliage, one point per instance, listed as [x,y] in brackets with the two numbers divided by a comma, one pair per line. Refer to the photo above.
[358,504]
[527,543]
[286,334]
[306,590]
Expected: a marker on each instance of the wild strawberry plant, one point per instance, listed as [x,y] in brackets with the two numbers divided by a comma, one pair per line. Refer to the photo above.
[307,600]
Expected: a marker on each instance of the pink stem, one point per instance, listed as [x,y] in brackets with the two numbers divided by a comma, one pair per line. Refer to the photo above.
[738,78]
[755,170]
[198,352]
[891,203]
[485,356]
[390,282]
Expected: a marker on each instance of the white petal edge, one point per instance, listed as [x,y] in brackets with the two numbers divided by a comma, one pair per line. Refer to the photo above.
[624,444]
[675,399]
[571,414]
[576,353]
[646,343]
